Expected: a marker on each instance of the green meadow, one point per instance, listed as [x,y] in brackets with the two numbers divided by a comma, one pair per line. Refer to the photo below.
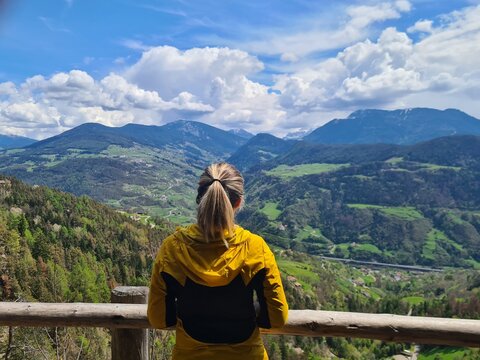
[285,171]
[270,209]
[402,212]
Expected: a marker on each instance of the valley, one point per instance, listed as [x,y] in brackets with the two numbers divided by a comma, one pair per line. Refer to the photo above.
[412,204]
[355,227]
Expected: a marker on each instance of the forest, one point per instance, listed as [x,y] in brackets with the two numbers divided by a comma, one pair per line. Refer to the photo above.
[56,247]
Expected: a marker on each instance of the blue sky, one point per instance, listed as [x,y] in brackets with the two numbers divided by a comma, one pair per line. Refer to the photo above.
[276,66]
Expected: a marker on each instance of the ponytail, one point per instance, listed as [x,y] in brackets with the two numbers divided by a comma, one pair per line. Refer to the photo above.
[220,189]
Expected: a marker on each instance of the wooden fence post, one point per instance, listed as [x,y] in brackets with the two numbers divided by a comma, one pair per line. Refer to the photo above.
[130,344]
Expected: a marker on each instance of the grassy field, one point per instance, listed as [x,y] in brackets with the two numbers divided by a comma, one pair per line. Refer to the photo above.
[455,218]
[402,212]
[270,209]
[443,353]
[394,160]
[364,206]
[369,280]
[414,300]
[285,171]
[346,248]
[343,248]
[475,264]
[368,248]
[308,231]
[303,272]
[435,167]
[132,152]
[29,165]
[14,151]
[423,166]
[363,177]
[430,245]
[375,293]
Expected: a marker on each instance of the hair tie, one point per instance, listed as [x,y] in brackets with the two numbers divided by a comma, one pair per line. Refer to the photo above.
[213,180]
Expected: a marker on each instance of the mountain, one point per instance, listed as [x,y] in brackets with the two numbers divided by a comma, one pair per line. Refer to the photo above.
[191,136]
[407,126]
[87,138]
[142,168]
[259,149]
[12,142]
[304,153]
[297,135]
[242,133]
[416,204]
[194,137]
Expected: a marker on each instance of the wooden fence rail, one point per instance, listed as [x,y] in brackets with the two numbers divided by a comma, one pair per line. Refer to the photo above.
[386,327]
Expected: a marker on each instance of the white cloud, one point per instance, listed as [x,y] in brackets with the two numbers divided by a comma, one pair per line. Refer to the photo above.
[424,26]
[453,47]
[343,28]
[134,45]
[387,72]
[403,5]
[218,77]
[218,86]
[27,113]
[7,89]
[289,57]
[42,106]
[170,71]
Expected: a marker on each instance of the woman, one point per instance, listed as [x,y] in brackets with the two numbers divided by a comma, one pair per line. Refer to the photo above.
[205,276]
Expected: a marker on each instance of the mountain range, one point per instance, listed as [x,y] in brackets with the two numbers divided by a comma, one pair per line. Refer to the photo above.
[407,126]
[12,142]
[367,127]
[136,167]
[415,203]
[412,204]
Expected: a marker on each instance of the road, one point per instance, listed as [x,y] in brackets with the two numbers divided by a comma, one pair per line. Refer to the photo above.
[381,264]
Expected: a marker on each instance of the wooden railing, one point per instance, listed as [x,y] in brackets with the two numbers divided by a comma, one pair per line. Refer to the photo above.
[128,319]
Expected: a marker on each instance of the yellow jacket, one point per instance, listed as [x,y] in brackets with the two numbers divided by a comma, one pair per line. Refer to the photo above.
[206,290]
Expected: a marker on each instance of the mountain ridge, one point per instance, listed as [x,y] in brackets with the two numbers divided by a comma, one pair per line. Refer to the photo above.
[402,126]
[410,204]
[259,149]
[144,168]
[13,141]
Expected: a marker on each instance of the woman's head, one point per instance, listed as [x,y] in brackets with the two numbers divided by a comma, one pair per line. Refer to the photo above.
[220,193]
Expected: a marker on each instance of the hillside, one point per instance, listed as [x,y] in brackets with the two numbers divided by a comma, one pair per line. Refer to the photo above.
[55,247]
[140,168]
[417,204]
[259,149]
[407,126]
[11,142]
[314,283]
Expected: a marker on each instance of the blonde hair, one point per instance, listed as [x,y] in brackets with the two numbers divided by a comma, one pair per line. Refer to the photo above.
[220,189]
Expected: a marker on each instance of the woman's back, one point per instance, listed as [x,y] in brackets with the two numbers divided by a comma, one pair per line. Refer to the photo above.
[206,288]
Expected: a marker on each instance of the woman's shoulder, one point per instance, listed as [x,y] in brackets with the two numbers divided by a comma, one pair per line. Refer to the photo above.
[255,242]
[246,235]
[170,242]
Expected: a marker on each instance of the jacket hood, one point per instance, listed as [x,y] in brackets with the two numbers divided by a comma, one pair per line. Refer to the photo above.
[211,264]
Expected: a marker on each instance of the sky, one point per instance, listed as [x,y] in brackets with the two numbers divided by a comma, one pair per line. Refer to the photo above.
[277,66]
